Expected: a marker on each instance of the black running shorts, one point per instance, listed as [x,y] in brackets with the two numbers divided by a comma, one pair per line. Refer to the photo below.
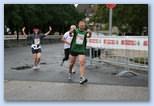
[34,51]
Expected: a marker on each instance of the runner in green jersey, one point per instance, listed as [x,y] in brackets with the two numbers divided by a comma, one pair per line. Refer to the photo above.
[78,49]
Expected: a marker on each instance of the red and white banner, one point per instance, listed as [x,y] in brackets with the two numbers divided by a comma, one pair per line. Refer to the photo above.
[120,42]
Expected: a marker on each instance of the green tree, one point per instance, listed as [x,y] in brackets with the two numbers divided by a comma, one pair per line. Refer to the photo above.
[127,17]
[59,16]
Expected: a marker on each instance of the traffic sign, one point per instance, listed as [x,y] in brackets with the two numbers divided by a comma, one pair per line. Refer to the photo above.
[111,6]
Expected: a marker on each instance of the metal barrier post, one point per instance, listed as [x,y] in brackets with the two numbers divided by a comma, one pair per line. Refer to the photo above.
[126,67]
[90,54]
[122,56]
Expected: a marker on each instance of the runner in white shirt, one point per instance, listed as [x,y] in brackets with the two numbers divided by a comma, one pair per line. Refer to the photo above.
[67,38]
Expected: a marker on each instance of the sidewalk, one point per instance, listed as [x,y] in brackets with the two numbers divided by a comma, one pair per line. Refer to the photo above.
[35,90]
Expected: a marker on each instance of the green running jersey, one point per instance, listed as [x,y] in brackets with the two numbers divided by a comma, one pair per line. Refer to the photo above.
[78,44]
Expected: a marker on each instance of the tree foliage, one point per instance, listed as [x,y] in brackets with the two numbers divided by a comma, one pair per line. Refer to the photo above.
[127,17]
[59,16]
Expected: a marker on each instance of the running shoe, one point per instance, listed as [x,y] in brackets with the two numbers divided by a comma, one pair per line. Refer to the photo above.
[38,67]
[34,67]
[70,76]
[83,80]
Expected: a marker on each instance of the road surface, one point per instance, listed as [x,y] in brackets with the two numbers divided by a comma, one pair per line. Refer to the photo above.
[18,70]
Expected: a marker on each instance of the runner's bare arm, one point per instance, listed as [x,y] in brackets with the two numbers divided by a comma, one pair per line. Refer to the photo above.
[50,29]
[89,33]
[72,30]
[23,31]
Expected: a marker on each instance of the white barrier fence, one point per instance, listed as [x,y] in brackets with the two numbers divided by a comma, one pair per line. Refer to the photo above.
[126,51]
[13,37]
[10,37]
[120,42]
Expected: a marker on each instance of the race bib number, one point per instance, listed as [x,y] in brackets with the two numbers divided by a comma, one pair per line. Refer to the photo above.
[35,47]
[36,41]
[79,39]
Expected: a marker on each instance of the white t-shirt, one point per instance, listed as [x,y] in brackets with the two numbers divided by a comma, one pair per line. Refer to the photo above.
[68,38]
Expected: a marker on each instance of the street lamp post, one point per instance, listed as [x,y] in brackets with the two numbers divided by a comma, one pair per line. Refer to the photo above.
[110,6]
[110,21]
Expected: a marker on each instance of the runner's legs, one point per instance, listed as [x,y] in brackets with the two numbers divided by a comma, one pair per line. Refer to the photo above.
[66,51]
[82,59]
[35,58]
[72,62]
[38,58]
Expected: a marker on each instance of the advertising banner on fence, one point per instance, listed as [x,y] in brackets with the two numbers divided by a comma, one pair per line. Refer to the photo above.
[120,42]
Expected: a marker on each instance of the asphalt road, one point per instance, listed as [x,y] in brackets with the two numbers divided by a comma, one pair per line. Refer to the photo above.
[51,71]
